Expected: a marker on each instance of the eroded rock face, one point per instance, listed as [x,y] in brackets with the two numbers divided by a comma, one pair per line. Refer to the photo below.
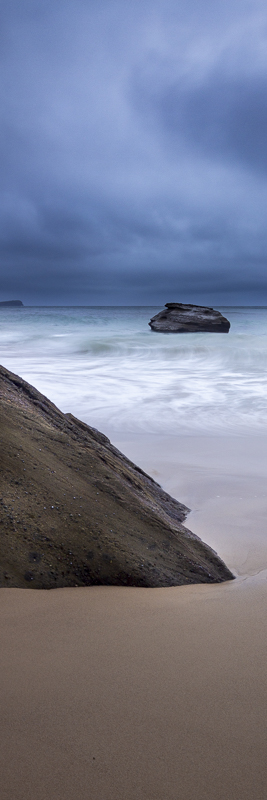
[75,512]
[187,318]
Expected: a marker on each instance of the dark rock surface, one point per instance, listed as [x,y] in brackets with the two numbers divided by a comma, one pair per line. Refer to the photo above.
[187,318]
[11,303]
[75,512]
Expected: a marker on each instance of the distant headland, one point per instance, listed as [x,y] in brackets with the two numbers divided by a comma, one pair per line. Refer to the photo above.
[11,303]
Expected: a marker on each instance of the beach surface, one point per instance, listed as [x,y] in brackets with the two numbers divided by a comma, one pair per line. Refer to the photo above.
[223,480]
[114,693]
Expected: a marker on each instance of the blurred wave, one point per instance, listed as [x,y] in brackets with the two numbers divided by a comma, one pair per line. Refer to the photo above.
[107,367]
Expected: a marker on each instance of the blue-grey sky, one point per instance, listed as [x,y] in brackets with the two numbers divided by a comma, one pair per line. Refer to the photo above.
[133,151]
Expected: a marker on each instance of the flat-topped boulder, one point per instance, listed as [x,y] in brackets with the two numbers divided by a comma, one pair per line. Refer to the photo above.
[188,318]
[74,511]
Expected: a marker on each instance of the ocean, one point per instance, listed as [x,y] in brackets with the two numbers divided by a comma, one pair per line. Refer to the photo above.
[108,368]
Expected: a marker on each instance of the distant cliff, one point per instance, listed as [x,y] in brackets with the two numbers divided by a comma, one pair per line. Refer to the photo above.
[11,303]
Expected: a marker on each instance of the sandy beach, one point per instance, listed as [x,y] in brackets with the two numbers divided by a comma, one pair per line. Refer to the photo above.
[113,693]
[223,480]
[133,400]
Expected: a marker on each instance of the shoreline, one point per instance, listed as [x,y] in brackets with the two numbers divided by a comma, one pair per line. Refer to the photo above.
[223,480]
[129,693]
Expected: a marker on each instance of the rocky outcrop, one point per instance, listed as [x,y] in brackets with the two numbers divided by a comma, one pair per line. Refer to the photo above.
[11,304]
[187,318]
[63,485]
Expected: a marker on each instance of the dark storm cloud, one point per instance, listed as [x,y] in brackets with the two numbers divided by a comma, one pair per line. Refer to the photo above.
[133,151]
[225,118]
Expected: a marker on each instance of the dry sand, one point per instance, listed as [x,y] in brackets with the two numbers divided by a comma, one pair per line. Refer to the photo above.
[112,693]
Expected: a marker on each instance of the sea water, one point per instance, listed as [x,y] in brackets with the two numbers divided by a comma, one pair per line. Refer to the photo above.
[190,409]
[107,367]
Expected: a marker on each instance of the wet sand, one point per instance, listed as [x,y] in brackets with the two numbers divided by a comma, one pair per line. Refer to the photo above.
[112,693]
[223,480]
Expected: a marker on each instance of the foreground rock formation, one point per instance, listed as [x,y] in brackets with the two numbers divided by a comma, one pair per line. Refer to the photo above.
[74,511]
[187,318]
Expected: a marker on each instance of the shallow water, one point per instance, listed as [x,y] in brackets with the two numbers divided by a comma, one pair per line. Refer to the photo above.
[107,367]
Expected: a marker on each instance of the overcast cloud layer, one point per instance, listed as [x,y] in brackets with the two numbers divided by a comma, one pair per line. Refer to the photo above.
[133,151]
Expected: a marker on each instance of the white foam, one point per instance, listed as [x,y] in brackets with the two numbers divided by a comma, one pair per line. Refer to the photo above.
[108,368]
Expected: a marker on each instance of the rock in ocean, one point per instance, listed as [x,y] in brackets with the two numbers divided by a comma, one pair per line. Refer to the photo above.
[74,511]
[187,318]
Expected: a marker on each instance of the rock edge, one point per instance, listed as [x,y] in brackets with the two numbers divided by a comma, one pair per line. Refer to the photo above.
[63,485]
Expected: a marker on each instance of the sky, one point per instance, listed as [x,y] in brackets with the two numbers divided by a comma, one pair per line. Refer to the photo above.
[133,152]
